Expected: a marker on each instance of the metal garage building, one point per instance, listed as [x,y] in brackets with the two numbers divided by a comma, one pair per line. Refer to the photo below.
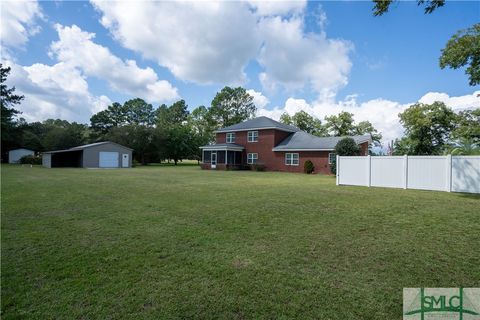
[96,155]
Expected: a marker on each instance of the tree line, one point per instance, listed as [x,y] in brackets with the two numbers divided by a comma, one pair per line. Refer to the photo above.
[174,133]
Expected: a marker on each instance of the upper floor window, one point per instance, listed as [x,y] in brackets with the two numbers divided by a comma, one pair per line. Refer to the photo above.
[252,136]
[252,158]
[291,159]
[231,137]
[331,157]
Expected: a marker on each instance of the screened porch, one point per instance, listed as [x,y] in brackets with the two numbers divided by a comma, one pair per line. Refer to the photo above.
[222,156]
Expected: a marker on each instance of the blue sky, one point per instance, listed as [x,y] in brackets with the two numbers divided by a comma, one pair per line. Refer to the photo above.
[71,59]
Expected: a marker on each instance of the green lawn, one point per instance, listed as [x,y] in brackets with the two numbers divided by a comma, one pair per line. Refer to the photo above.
[178,242]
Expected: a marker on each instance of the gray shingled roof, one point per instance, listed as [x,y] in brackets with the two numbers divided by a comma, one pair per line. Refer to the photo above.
[303,141]
[85,146]
[259,123]
[222,145]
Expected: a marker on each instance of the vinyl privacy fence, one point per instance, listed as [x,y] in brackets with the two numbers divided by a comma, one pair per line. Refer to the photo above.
[442,173]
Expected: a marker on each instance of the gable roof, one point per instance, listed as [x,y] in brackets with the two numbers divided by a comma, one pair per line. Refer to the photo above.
[85,146]
[259,123]
[302,141]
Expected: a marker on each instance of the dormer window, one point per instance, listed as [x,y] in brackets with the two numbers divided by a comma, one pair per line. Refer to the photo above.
[230,137]
[252,136]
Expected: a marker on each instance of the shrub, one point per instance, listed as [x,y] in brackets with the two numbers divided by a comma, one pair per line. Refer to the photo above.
[344,147]
[31,159]
[308,167]
[257,167]
[135,163]
[333,166]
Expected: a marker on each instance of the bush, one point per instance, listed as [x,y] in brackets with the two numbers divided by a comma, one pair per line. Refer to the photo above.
[347,147]
[257,167]
[31,159]
[308,167]
[333,166]
[344,147]
[135,163]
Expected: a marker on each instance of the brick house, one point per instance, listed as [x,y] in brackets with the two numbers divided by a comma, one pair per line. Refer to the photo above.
[277,146]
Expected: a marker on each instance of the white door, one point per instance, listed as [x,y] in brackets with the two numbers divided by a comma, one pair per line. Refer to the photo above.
[108,160]
[125,162]
[213,160]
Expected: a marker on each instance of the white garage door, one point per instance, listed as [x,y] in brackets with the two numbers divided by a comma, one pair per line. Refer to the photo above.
[108,160]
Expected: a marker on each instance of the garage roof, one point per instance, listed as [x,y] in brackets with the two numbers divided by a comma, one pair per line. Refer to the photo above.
[85,146]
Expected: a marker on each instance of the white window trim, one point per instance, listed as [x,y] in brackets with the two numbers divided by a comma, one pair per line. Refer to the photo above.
[290,161]
[232,135]
[253,136]
[251,159]
[329,160]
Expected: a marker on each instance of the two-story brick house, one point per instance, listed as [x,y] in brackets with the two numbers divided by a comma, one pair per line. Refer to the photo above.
[277,146]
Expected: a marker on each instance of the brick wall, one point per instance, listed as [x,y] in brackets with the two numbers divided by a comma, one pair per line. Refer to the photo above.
[275,161]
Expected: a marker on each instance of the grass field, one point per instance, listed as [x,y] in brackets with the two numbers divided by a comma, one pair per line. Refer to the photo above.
[178,242]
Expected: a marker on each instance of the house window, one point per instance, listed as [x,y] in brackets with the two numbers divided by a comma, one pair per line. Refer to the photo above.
[331,157]
[252,158]
[291,159]
[231,137]
[252,136]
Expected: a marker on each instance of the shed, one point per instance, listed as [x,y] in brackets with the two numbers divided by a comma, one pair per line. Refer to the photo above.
[104,154]
[14,156]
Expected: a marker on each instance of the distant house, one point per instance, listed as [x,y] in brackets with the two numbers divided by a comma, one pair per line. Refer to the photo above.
[95,155]
[14,156]
[277,146]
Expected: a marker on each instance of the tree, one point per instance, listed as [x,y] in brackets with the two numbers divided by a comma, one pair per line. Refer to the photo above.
[179,143]
[468,127]
[345,147]
[113,116]
[305,122]
[341,125]
[61,134]
[427,127]
[138,112]
[365,127]
[381,6]
[8,99]
[231,106]
[135,136]
[463,49]
[132,112]
[176,114]
[202,129]
[174,128]
[286,118]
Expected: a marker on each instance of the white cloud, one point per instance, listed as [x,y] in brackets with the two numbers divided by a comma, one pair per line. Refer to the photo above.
[294,59]
[382,113]
[201,42]
[18,22]
[76,49]
[212,42]
[259,99]
[469,101]
[57,91]
[267,8]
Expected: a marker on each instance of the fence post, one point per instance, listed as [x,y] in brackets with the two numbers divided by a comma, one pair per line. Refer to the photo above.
[449,173]
[405,171]
[337,169]
[369,170]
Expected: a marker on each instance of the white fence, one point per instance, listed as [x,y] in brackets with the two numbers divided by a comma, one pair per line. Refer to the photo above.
[442,173]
